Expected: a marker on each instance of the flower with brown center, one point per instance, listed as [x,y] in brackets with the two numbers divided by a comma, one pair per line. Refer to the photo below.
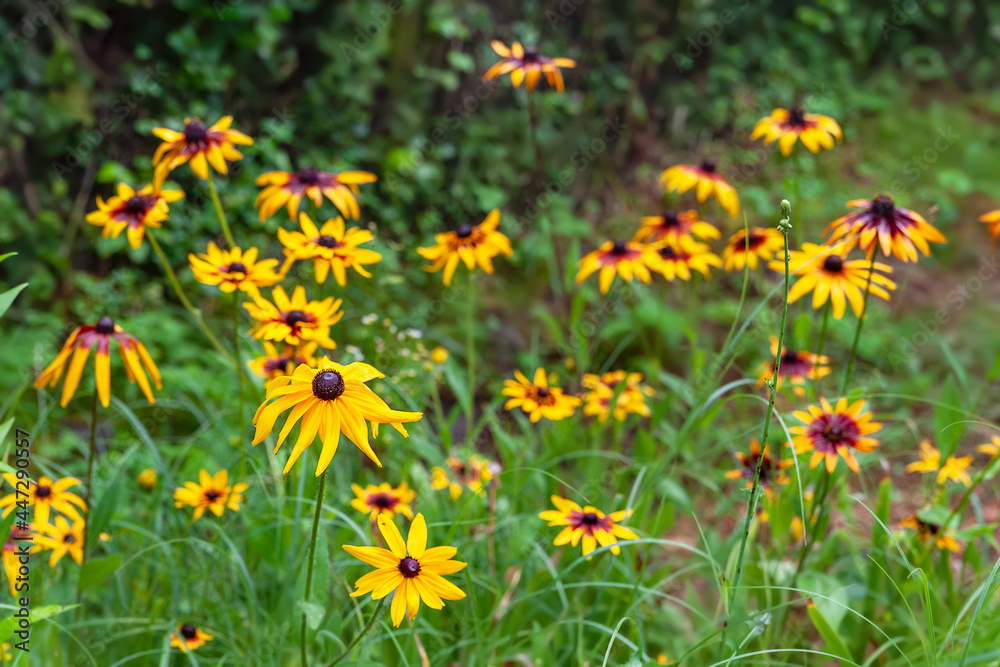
[528,65]
[897,231]
[331,247]
[472,474]
[706,181]
[473,245]
[678,257]
[788,125]
[295,320]
[234,269]
[760,244]
[132,211]
[796,366]
[288,188]
[188,638]
[771,468]
[587,525]
[672,225]
[537,398]
[383,500]
[275,364]
[62,539]
[831,432]
[926,531]
[624,258]
[211,493]
[198,145]
[45,495]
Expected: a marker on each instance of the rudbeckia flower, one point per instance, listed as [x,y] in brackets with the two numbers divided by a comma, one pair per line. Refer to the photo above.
[527,65]
[275,364]
[210,492]
[132,211]
[788,125]
[62,539]
[472,244]
[897,230]
[676,259]
[383,500]
[294,320]
[829,432]
[473,474]
[287,188]
[764,243]
[796,366]
[631,397]
[588,526]
[954,468]
[147,480]
[706,181]
[188,638]
[329,399]
[927,531]
[10,556]
[771,468]
[672,225]
[824,271]
[537,398]
[991,448]
[234,269]
[199,145]
[45,495]
[993,220]
[409,568]
[616,257]
[81,342]
[331,247]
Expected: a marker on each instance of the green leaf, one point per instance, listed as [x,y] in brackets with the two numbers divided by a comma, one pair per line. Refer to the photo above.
[94,571]
[313,612]
[834,643]
[7,298]
[10,624]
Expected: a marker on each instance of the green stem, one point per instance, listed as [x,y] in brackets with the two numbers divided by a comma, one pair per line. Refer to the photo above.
[88,498]
[746,281]
[470,356]
[184,300]
[861,321]
[365,631]
[219,212]
[239,382]
[320,492]
[797,193]
[822,343]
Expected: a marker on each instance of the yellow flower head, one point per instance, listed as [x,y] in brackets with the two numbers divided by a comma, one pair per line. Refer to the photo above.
[45,496]
[287,188]
[294,320]
[677,258]
[62,539]
[706,181]
[234,269]
[796,366]
[275,364]
[439,355]
[188,638]
[383,499]
[992,448]
[132,211]
[896,230]
[147,479]
[330,399]
[457,475]
[471,244]
[771,468]
[100,336]
[673,225]
[764,243]
[624,258]
[211,493]
[831,432]
[814,130]
[954,468]
[537,398]
[631,393]
[199,145]
[527,65]
[927,531]
[587,525]
[12,560]
[330,247]
[409,568]
[993,220]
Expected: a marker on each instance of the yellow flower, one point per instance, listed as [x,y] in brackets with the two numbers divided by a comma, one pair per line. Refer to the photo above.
[672,226]
[473,474]
[926,531]
[992,448]
[188,638]
[286,188]
[439,355]
[771,468]
[329,399]
[706,181]
[797,366]
[383,499]
[294,320]
[81,342]
[624,258]
[147,479]
[527,65]
[331,248]
[897,231]
[199,145]
[954,469]
[764,243]
[631,398]
[678,257]
[210,493]
[45,495]
[472,244]
[274,364]
[537,398]
[234,269]
[993,220]
[409,568]
[788,125]
[588,526]
[831,432]
[930,459]
[133,211]
[61,539]
[11,556]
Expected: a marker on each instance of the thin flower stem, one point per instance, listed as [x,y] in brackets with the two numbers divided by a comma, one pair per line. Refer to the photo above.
[470,355]
[320,492]
[746,281]
[219,212]
[797,193]
[184,300]
[88,498]
[821,345]
[861,322]
[354,642]
[239,382]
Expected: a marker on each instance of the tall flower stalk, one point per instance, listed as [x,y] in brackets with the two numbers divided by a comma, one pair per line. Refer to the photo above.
[320,494]
[861,323]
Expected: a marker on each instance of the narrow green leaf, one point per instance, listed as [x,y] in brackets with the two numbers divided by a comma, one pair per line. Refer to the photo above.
[94,571]
[834,642]
[7,298]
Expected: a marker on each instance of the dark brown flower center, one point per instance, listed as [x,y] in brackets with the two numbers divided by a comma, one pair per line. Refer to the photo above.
[796,116]
[789,357]
[464,231]
[530,56]
[189,631]
[543,392]
[618,248]
[708,164]
[69,539]
[42,491]
[833,264]
[382,500]
[293,317]
[212,495]
[883,206]
[670,219]
[834,433]
[308,176]
[328,385]
[409,567]
[195,131]
[668,252]
[932,528]
[237,267]
[136,205]
[105,325]
[589,519]
[327,241]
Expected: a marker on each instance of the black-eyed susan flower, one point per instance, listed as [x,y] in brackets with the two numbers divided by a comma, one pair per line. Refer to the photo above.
[602,389]
[210,492]
[99,336]
[383,499]
[527,65]
[706,181]
[61,538]
[287,188]
[147,480]
[199,146]
[439,355]
[771,468]
[897,231]
[330,247]
[537,398]
[673,225]
[409,568]
[188,638]
[991,448]
[828,274]
[796,367]
[624,258]
[330,399]
[993,220]
[295,320]
[132,211]
[764,243]
[11,555]
[830,432]
[234,269]
[927,531]
[954,468]
[587,525]
[45,495]
[814,130]
[457,475]
[275,364]
[471,244]
[677,258]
